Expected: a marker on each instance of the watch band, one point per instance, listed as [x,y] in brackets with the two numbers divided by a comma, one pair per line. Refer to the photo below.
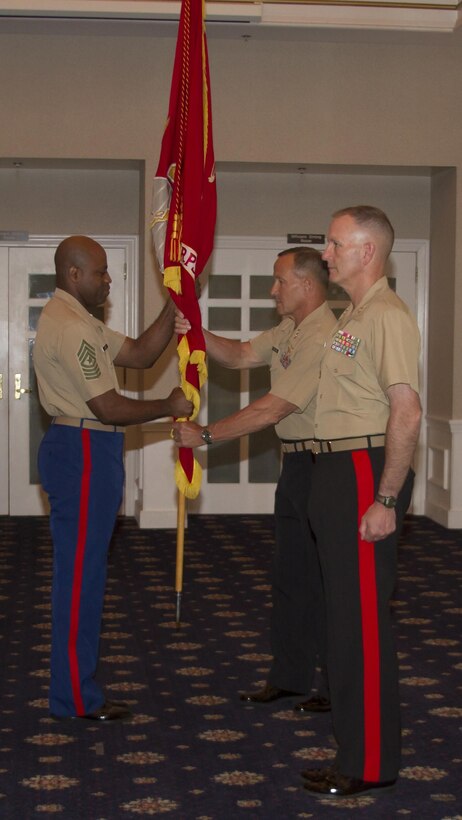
[388,501]
[206,435]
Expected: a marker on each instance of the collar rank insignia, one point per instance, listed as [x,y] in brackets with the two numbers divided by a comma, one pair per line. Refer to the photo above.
[345,343]
[87,358]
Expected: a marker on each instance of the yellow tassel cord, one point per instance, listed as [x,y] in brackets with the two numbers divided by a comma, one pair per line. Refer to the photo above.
[205,90]
[175,236]
[190,490]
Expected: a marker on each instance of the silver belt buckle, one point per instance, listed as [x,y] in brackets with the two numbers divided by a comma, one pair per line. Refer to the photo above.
[316,448]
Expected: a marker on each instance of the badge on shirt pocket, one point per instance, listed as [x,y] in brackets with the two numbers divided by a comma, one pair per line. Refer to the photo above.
[345,343]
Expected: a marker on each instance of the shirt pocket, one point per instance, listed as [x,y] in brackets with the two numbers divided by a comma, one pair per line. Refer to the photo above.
[342,382]
[341,365]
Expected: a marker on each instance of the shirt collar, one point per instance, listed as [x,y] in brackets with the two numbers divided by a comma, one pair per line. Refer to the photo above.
[72,302]
[313,316]
[378,287]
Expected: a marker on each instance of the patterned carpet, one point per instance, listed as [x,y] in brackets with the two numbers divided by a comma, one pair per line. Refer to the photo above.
[193,750]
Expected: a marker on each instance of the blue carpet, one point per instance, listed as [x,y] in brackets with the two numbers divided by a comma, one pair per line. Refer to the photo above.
[193,750]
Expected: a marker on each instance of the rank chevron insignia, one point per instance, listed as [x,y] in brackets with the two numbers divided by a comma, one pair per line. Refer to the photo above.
[87,358]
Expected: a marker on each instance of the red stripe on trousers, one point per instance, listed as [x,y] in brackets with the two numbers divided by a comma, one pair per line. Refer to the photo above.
[78,572]
[369,618]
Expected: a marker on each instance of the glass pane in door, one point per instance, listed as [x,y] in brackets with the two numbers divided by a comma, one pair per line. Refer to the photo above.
[264,447]
[41,285]
[223,399]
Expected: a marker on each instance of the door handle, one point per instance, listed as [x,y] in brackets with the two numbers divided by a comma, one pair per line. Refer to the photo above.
[1,386]
[18,390]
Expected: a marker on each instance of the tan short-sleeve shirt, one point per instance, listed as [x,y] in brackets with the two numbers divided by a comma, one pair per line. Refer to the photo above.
[374,345]
[73,357]
[294,356]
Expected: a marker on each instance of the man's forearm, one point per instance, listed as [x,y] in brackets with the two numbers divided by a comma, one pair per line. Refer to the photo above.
[125,411]
[400,442]
[113,408]
[156,337]
[146,349]
[230,352]
[256,416]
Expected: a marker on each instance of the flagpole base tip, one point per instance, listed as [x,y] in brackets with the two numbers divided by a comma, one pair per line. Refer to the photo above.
[178,609]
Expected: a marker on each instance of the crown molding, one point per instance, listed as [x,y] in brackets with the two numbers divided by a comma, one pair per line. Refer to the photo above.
[442,16]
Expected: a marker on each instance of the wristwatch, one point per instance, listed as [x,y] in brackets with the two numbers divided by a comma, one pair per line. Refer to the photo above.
[206,435]
[388,501]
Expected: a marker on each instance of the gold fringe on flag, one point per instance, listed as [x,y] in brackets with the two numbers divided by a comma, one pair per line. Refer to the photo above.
[172,278]
[193,395]
[183,354]
[189,489]
[198,358]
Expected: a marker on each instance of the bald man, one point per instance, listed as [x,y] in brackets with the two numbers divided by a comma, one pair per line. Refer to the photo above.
[81,460]
[366,424]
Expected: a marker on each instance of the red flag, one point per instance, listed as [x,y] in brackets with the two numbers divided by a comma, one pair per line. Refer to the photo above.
[184,207]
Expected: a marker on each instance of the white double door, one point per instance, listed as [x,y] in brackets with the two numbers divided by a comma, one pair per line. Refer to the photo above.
[238,305]
[27,281]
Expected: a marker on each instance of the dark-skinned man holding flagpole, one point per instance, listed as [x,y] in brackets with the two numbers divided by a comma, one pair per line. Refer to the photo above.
[81,460]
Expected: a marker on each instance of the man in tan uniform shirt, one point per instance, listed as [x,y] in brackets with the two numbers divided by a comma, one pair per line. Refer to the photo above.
[293,351]
[367,423]
[81,460]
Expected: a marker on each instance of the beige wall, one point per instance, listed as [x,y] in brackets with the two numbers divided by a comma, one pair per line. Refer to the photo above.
[274,204]
[69,201]
[99,97]
[333,102]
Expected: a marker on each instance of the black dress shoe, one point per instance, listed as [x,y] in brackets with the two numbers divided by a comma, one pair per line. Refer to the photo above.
[314,704]
[338,785]
[267,694]
[110,710]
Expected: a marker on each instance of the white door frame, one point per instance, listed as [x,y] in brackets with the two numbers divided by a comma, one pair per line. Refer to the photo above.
[4,377]
[421,247]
